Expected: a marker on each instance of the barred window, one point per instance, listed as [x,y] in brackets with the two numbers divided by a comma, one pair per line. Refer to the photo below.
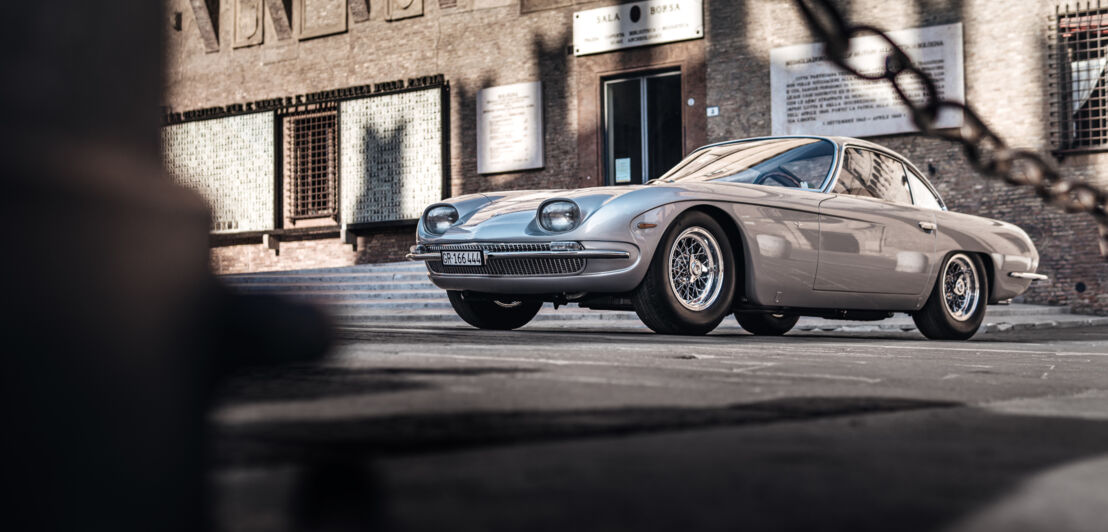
[311,164]
[1079,97]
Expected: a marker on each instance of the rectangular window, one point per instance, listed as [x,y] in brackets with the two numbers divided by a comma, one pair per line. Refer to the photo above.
[311,164]
[1079,117]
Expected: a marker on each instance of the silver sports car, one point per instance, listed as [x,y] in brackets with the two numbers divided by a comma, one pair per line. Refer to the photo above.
[768,229]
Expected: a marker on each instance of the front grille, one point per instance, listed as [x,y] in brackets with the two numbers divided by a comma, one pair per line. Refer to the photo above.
[504,266]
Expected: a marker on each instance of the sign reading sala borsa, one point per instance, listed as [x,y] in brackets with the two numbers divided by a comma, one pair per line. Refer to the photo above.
[812,96]
[636,24]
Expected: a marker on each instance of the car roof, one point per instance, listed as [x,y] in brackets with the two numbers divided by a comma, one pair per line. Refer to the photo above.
[837,140]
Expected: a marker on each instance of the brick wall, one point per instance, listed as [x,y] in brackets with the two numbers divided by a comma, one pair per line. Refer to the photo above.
[482,43]
[384,245]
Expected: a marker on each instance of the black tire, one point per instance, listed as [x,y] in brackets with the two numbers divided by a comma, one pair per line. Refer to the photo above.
[655,300]
[937,320]
[500,315]
[765,323]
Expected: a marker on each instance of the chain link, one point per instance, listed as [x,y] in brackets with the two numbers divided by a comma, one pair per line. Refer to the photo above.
[987,152]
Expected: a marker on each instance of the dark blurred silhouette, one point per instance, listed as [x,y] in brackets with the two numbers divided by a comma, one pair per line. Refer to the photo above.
[114,329]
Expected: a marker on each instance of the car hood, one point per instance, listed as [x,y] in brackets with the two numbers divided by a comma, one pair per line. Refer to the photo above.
[511,202]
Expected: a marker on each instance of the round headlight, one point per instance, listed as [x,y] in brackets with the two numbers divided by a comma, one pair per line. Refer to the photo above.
[439,219]
[559,215]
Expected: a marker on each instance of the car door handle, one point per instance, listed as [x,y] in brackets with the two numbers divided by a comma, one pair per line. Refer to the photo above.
[927,226]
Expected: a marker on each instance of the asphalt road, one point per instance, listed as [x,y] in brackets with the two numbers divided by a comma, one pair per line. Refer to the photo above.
[562,429]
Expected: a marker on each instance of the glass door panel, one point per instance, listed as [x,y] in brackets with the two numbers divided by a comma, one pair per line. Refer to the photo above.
[623,103]
[663,123]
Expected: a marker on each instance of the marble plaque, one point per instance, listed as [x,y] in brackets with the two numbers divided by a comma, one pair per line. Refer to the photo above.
[812,96]
[509,128]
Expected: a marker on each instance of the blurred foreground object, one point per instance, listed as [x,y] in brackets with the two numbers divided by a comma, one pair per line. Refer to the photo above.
[114,329]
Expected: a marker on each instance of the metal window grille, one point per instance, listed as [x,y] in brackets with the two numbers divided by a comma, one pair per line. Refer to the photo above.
[311,163]
[1076,77]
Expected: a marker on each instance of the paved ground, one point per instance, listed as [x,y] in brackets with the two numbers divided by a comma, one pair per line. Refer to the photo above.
[441,427]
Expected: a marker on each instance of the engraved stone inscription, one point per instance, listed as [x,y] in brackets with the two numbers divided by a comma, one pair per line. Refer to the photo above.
[509,128]
[812,96]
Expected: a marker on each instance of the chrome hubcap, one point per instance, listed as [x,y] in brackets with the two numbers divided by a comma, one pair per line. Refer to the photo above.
[961,287]
[695,269]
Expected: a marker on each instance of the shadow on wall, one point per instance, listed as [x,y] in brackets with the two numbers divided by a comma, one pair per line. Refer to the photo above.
[381,190]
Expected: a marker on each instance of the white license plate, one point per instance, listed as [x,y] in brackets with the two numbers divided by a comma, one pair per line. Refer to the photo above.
[462,258]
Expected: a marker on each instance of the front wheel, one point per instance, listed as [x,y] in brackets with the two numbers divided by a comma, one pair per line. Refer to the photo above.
[500,314]
[765,323]
[691,280]
[956,307]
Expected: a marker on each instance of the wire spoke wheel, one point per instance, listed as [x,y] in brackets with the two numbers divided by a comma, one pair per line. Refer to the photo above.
[961,288]
[956,307]
[695,268]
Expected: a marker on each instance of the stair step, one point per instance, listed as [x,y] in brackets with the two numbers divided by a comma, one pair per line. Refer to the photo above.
[355,286]
[308,278]
[354,296]
[403,266]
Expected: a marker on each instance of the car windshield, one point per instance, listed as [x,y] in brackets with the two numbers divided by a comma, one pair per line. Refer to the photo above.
[784,162]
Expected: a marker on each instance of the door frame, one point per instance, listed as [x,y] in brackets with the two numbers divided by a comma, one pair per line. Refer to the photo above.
[685,56]
[607,152]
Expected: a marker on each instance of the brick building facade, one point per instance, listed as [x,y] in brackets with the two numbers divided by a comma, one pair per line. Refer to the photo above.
[248,52]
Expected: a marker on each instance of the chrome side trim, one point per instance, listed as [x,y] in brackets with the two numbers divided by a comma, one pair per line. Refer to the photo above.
[1028,275]
[571,254]
[580,254]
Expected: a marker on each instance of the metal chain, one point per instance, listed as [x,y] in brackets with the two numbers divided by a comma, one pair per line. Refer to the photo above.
[987,152]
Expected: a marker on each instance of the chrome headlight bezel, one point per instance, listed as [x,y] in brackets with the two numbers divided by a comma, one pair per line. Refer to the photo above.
[559,215]
[437,219]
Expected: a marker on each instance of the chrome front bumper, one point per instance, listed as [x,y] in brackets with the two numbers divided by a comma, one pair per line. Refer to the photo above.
[556,252]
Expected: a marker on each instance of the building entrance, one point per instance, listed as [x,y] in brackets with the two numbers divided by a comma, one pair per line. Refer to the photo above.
[642,127]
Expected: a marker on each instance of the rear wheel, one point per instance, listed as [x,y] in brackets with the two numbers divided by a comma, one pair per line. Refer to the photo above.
[956,307]
[690,284]
[496,313]
[765,323]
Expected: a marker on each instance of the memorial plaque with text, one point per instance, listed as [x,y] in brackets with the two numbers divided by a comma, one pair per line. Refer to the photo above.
[509,128]
[811,96]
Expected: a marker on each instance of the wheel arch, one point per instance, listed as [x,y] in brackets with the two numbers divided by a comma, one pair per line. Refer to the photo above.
[735,237]
[990,274]
[986,260]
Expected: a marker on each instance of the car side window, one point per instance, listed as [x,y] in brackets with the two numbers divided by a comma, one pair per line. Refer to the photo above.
[922,195]
[870,174]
